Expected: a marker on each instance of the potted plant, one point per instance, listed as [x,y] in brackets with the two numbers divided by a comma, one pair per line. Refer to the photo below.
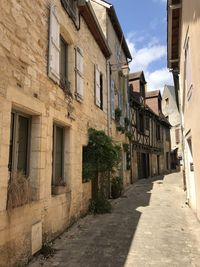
[116,186]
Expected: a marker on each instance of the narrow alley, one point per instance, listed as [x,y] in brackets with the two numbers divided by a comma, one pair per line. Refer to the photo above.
[151,225]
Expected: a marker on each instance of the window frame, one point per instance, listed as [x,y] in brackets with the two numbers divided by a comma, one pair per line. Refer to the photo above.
[65,85]
[13,152]
[55,126]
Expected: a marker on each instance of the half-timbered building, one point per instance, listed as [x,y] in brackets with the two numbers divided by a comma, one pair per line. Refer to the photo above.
[150,130]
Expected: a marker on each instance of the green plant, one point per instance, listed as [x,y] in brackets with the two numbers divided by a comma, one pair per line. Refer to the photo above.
[101,157]
[129,135]
[116,186]
[126,147]
[126,122]
[118,114]
[100,205]
[121,129]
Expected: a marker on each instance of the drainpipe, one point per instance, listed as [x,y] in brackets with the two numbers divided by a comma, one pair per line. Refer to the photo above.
[108,99]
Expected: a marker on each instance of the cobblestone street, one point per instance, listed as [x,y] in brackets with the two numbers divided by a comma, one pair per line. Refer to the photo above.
[150,226]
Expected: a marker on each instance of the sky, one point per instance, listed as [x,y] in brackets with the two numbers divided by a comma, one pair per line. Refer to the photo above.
[144,24]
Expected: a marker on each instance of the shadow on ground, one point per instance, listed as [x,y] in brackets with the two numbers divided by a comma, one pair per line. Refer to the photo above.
[104,240]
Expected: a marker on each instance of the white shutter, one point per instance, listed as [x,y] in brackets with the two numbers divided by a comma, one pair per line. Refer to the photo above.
[112,99]
[54,46]
[79,74]
[97,86]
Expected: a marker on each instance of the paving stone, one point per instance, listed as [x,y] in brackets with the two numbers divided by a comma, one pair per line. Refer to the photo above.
[152,226]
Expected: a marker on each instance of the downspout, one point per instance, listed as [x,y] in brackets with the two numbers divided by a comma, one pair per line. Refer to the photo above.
[108,98]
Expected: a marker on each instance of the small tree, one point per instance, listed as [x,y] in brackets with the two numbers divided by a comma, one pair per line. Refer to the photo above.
[100,160]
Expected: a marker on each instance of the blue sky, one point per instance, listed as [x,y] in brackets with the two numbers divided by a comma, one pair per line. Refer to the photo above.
[144,24]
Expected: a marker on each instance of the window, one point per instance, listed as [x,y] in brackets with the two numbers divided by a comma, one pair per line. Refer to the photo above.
[147,123]
[64,84]
[19,143]
[58,155]
[101,91]
[140,122]
[158,132]
[167,101]
[177,136]
[98,87]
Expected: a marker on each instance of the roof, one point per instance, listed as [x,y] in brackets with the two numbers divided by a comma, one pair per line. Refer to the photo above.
[135,75]
[116,25]
[151,94]
[174,10]
[90,18]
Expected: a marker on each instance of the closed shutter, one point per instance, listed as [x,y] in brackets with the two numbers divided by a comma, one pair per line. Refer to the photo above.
[54,46]
[97,86]
[112,99]
[79,74]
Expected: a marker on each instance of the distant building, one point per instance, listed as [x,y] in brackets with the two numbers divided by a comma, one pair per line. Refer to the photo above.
[171,112]
[150,130]
[184,63]
[117,80]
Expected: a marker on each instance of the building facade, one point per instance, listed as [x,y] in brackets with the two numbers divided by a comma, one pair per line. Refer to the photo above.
[53,87]
[171,112]
[118,81]
[183,61]
[150,130]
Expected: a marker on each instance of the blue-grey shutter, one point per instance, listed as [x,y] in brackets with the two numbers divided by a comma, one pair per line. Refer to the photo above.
[112,99]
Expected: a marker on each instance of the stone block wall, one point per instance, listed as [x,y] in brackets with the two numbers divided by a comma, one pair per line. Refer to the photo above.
[25,87]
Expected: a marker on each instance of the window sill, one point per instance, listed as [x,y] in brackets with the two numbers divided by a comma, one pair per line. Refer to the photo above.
[59,190]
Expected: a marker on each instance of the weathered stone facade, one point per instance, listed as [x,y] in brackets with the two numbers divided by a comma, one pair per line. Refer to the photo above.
[118,77]
[26,88]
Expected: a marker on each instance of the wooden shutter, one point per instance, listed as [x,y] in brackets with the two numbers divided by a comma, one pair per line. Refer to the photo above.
[79,74]
[112,99]
[54,46]
[97,86]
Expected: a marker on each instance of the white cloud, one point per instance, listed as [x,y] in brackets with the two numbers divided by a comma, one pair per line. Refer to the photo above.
[144,56]
[142,59]
[157,79]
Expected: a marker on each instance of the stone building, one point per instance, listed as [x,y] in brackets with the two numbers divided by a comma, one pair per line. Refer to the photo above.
[183,61]
[150,130]
[171,112]
[53,87]
[118,81]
